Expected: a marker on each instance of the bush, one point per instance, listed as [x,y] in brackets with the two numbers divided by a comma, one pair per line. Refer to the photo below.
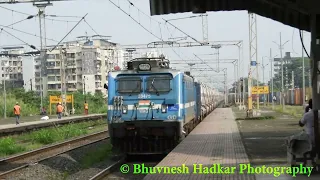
[70,131]
[30,102]
[8,146]
[44,136]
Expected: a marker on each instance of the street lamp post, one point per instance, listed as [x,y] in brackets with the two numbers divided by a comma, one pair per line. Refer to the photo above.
[282,88]
[263,68]
[84,88]
[235,67]
[5,94]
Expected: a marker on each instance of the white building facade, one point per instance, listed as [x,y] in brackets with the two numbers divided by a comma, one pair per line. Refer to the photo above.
[87,64]
[11,66]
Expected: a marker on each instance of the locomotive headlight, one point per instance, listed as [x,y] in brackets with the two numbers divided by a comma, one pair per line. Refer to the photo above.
[124,109]
[164,108]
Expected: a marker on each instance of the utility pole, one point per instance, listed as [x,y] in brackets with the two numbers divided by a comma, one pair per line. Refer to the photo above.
[5,94]
[303,76]
[292,79]
[253,46]
[225,87]
[31,84]
[243,83]
[271,66]
[238,75]
[263,67]
[43,52]
[84,88]
[282,86]
[258,95]
[235,67]
[63,65]
[287,79]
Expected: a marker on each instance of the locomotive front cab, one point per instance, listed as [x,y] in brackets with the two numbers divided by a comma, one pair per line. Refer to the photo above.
[143,111]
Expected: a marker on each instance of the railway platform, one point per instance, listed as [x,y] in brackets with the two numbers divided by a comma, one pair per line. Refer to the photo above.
[37,123]
[215,150]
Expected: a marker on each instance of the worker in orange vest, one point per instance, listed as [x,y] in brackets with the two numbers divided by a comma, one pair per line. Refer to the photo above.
[17,111]
[59,110]
[86,107]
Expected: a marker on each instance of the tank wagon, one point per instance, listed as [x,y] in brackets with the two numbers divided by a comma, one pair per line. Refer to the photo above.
[151,107]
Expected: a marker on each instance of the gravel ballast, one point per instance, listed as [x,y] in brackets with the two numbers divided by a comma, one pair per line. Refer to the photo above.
[64,166]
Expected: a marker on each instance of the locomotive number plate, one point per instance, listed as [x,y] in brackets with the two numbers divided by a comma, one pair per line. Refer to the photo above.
[144,96]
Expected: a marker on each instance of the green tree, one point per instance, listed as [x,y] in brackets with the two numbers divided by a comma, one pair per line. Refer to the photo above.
[295,65]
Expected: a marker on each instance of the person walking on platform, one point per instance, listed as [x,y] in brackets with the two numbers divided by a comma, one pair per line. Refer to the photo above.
[59,110]
[17,111]
[86,108]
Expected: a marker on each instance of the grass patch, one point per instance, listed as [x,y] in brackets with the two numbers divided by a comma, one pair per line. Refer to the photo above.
[8,146]
[96,156]
[295,111]
[257,118]
[36,139]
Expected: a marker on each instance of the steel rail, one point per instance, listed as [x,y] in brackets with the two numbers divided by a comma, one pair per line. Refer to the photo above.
[46,149]
[108,170]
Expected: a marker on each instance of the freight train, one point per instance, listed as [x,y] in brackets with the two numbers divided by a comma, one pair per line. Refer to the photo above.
[151,107]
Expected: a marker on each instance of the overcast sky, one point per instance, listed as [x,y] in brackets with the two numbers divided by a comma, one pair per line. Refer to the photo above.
[109,20]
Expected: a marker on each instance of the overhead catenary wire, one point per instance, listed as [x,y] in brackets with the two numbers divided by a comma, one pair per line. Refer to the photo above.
[160,23]
[69,32]
[160,38]
[134,19]
[24,32]
[22,20]
[29,17]
[91,28]
[19,12]
[143,12]
[32,46]
[183,32]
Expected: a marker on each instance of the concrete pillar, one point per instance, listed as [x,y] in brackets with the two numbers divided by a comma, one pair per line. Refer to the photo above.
[315,64]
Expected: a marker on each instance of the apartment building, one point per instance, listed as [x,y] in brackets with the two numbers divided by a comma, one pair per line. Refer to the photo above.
[30,61]
[11,66]
[87,63]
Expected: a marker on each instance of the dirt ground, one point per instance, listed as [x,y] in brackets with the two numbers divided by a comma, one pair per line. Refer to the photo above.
[264,140]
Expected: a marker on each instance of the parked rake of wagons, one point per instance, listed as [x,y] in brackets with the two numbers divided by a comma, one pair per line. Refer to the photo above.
[292,96]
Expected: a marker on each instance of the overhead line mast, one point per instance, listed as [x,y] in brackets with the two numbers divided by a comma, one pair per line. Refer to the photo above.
[253,47]
[41,5]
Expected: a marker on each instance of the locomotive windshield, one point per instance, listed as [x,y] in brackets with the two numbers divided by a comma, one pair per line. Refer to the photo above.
[129,85]
[158,83]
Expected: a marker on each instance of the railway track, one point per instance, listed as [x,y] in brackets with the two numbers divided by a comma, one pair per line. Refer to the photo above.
[102,174]
[15,163]
[123,170]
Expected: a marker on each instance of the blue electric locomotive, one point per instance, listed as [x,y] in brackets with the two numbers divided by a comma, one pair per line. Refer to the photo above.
[151,106]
